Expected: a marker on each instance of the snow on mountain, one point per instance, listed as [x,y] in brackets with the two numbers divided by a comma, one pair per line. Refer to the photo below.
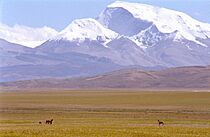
[30,37]
[124,35]
[82,29]
[136,34]
[166,20]
[149,37]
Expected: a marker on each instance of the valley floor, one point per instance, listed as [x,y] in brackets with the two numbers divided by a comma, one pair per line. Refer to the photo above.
[105,113]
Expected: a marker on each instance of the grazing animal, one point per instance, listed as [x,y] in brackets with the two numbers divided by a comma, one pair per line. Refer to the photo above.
[160,123]
[49,121]
[40,122]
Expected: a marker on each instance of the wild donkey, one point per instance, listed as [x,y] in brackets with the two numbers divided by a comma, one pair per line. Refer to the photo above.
[160,123]
[49,121]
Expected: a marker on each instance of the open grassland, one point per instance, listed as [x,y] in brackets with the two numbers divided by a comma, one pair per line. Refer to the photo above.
[104,114]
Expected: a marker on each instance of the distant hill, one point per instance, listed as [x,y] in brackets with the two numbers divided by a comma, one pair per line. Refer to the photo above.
[182,77]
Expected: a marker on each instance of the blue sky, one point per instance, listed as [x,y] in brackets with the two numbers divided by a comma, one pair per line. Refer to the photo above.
[59,13]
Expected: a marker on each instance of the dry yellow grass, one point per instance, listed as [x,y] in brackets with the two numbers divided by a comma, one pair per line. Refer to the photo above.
[104,114]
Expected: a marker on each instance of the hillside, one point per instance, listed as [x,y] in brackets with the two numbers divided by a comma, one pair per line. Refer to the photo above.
[179,78]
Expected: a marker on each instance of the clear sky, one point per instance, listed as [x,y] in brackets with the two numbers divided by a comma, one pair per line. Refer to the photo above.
[59,13]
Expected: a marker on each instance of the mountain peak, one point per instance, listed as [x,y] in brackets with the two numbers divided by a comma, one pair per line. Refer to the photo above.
[130,4]
[166,20]
[87,28]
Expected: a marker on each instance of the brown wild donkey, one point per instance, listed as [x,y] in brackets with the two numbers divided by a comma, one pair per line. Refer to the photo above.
[49,121]
[160,123]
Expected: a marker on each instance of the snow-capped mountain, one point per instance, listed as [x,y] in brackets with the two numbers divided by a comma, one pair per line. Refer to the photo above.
[82,29]
[131,33]
[166,21]
[30,37]
[123,35]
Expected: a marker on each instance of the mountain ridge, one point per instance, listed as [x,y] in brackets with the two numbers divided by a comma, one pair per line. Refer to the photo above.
[196,77]
[186,25]
[122,36]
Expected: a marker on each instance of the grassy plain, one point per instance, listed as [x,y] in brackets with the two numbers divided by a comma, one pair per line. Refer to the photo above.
[104,113]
